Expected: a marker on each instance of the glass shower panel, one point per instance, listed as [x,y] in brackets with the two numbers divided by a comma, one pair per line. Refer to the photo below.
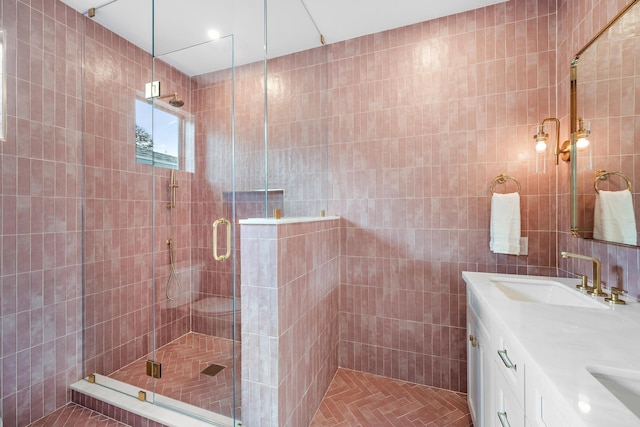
[297,89]
[117,204]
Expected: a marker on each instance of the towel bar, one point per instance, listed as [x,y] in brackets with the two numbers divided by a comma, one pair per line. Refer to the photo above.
[501,179]
[604,174]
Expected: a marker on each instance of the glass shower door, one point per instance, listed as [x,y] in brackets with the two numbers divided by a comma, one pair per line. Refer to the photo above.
[168,151]
[195,322]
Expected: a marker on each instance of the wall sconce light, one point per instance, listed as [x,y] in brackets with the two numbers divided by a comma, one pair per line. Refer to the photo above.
[583,146]
[581,137]
[582,134]
[541,137]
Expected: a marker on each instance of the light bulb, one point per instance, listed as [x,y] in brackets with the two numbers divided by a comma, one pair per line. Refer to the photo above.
[582,143]
[213,34]
[541,146]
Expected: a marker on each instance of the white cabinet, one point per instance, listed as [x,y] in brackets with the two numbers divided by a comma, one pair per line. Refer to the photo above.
[479,367]
[497,393]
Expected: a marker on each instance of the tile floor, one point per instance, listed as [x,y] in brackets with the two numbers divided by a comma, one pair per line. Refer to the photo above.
[182,363]
[358,399]
[354,398]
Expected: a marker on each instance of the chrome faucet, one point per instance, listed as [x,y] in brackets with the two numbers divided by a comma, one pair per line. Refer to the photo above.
[597,267]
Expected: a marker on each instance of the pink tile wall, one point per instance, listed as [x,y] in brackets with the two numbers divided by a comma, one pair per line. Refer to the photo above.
[41,348]
[422,118]
[621,265]
[120,212]
[298,130]
[40,163]
[290,320]
[408,109]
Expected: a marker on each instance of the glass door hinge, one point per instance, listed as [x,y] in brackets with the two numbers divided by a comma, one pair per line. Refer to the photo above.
[154,369]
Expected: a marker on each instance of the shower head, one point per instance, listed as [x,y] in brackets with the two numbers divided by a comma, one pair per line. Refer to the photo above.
[175,101]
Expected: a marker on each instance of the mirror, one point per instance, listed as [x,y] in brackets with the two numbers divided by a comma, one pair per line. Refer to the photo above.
[605,105]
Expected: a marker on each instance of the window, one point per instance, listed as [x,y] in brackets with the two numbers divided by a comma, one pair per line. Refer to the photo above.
[158,135]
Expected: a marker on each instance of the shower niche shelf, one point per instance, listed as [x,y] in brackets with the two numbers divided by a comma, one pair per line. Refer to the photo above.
[250,203]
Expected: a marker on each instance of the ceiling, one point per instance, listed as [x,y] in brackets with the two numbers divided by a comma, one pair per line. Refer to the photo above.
[182,27]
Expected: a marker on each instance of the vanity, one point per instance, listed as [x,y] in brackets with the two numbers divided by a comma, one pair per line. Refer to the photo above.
[542,353]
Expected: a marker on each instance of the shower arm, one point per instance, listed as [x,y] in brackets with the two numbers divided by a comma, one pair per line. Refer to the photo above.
[174,101]
[174,95]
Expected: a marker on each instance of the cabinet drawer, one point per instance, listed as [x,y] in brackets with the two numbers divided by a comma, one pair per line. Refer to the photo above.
[509,360]
[508,409]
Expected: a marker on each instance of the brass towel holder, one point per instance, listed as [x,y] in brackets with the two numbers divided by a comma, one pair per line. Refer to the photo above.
[501,179]
[601,175]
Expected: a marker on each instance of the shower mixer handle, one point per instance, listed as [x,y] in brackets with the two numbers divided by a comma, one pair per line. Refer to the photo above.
[218,222]
[173,184]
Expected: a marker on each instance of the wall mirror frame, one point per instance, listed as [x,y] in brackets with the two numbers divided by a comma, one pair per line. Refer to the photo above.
[601,91]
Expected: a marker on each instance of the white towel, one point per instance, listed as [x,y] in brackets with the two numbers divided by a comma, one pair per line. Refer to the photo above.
[613,217]
[505,223]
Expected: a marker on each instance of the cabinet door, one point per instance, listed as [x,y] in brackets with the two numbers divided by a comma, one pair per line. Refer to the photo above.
[488,407]
[541,402]
[474,370]
[479,363]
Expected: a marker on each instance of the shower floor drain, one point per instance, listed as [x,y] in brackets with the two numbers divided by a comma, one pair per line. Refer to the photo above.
[212,370]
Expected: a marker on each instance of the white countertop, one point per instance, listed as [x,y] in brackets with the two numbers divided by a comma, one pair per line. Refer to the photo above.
[287,220]
[564,340]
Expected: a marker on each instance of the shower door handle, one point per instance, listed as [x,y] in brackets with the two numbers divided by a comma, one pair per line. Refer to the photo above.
[215,239]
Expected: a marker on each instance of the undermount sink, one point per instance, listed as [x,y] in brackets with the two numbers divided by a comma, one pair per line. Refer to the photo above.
[544,292]
[622,383]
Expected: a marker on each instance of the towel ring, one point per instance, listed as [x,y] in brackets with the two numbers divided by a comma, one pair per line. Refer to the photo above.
[604,174]
[501,179]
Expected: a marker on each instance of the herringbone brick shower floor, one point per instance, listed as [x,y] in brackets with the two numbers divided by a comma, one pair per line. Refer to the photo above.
[358,399]
[182,363]
[354,399]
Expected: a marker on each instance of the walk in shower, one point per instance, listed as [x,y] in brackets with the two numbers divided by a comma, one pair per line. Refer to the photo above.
[187,130]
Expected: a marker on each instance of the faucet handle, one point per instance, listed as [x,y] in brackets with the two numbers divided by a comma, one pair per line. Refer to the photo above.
[583,286]
[615,292]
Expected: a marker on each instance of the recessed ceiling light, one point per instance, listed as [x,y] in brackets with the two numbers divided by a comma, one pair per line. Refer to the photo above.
[213,34]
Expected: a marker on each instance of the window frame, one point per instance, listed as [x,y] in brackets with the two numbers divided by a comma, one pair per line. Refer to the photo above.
[182,119]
